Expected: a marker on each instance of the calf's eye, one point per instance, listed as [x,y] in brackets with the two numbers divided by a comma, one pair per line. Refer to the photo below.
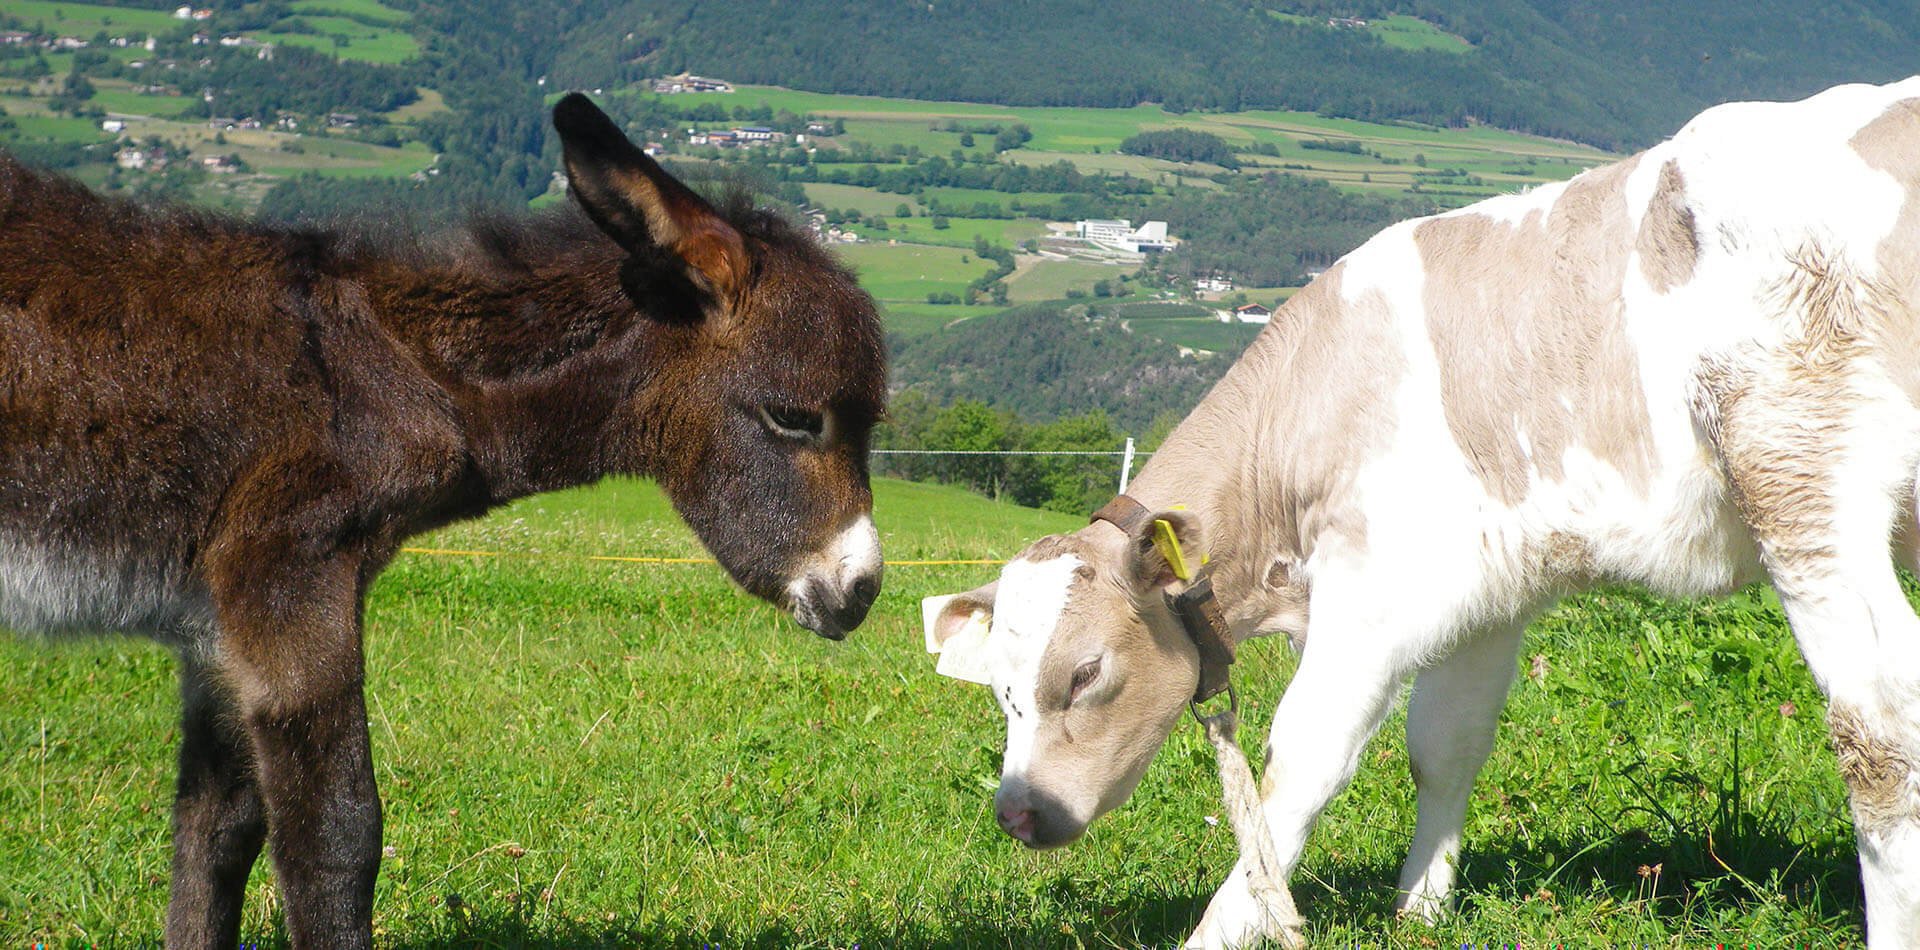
[1083,677]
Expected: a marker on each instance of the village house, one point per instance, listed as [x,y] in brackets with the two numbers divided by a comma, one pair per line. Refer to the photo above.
[1213,284]
[113,125]
[1247,313]
[135,158]
[687,82]
[14,37]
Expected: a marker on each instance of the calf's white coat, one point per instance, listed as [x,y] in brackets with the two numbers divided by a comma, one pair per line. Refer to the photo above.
[1689,370]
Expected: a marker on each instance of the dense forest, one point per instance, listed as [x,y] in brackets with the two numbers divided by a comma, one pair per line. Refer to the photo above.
[1044,361]
[1269,230]
[1616,74]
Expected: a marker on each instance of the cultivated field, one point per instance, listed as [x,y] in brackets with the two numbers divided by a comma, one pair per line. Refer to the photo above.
[1451,166]
[581,753]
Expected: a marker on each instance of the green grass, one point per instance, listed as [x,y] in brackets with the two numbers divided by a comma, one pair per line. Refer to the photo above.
[959,232]
[369,10]
[587,754]
[1050,280]
[350,39]
[906,318]
[59,128]
[863,200]
[1163,310]
[1203,333]
[907,273]
[1405,32]
[85,19]
[430,102]
[1090,138]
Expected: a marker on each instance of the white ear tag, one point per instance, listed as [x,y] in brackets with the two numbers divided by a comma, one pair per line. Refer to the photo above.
[963,654]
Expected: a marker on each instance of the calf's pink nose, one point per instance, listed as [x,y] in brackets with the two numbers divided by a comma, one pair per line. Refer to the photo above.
[1017,822]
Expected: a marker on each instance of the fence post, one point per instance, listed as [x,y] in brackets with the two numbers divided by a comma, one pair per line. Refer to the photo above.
[1126,466]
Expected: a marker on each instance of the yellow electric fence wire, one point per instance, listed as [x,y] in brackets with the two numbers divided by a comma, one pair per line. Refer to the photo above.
[456,552]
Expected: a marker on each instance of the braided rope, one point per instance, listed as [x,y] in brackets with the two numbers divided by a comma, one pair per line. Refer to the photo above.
[1264,878]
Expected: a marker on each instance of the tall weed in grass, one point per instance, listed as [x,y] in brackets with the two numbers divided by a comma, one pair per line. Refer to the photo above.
[578,753]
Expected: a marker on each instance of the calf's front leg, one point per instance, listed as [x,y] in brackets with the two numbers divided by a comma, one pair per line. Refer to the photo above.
[1336,701]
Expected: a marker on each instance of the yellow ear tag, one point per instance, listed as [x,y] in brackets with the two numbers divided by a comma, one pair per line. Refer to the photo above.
[1169,545]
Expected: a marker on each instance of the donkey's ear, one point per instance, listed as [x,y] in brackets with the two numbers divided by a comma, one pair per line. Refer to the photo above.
[957,626]
[1166,549]
[635,201]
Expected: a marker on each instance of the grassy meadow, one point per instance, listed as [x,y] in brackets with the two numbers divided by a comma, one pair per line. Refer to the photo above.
[588,753]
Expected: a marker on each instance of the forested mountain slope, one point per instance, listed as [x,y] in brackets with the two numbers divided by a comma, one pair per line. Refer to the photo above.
[1616,73]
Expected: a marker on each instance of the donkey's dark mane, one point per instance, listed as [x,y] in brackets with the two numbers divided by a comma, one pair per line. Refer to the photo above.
[501,243]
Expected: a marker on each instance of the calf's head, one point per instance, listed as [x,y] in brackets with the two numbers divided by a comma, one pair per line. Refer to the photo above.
[1088,663]
[770,373]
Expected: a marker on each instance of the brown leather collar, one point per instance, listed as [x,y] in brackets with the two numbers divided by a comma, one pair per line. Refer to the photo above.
[1198,612]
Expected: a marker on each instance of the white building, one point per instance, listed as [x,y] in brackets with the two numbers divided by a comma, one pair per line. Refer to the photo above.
[1106,232]
[1122,235]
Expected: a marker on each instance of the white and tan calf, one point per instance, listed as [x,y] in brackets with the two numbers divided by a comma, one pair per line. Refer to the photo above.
[1689,370]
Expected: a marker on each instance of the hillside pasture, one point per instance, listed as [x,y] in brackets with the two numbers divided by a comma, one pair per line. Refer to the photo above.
[1090,138]
[1202,333]
[908,319]
[376,42]
[1406,32]
[86,19]
[959,232]
[1051,279]
[907,273]
[368,11]
[602,753]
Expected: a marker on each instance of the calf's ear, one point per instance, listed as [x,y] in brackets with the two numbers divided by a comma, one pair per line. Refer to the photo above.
[1166,549]
[957,626]
[639,205]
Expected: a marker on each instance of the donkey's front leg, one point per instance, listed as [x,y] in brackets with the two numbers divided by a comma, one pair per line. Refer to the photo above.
[218,822]
[290,641]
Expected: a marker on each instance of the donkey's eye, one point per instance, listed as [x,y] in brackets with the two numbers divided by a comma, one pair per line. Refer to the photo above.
[1083,677]
[793,422]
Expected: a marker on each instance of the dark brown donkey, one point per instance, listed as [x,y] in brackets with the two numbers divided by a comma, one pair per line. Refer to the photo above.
[217,434]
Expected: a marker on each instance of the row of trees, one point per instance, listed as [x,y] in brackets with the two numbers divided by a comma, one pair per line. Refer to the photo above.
[1181,145]
[1076,484]
[1270,230]
[1044,361]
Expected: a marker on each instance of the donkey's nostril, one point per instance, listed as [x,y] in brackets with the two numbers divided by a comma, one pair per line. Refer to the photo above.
[857,598]
[864,591]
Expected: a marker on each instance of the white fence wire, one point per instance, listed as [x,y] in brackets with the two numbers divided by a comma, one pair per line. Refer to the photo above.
[1127,455]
